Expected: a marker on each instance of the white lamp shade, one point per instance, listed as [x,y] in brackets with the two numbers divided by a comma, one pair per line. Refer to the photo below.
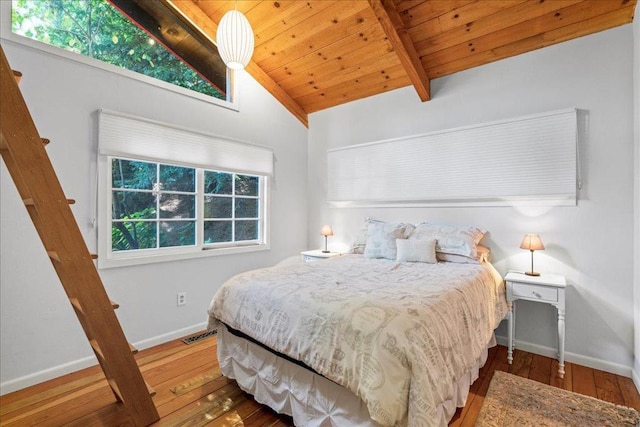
[532,242]
[326,230]
[235,40]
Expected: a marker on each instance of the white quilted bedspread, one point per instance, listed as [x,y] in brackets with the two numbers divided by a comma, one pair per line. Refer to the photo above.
[398,335]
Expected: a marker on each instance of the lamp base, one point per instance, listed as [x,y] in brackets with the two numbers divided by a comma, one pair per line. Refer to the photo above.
[531,273]
[326,252]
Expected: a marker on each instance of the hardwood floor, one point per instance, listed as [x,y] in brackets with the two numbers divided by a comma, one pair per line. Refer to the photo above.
[192,392]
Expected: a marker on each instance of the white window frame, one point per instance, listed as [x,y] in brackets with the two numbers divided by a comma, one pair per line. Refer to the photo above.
[115,128]
[6,33]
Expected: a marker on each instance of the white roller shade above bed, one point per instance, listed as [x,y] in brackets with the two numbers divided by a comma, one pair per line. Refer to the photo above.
[531,159]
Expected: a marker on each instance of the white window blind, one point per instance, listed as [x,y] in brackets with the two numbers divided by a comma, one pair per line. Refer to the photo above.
[526,160]
[122,135]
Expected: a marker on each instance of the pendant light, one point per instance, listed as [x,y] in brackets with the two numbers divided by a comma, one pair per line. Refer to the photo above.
[235,40]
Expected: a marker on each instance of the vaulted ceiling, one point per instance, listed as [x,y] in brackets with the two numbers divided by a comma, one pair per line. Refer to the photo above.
[315,54]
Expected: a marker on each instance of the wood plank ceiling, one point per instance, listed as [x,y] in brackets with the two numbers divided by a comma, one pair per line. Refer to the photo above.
[316,54]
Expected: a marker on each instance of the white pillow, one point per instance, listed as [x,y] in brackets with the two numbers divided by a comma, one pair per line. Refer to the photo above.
[381,240]
[416,250]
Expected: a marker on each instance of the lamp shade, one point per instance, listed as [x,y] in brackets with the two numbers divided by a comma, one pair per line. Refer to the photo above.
[532,242]
[326,230]
[235,40]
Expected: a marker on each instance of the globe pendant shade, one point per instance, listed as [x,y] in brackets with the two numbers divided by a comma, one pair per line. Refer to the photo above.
[235,40]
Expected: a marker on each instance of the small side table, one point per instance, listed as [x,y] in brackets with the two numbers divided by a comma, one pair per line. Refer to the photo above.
[546,288]
[317,255]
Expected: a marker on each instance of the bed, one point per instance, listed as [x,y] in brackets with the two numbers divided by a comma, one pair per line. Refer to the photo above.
[359,340]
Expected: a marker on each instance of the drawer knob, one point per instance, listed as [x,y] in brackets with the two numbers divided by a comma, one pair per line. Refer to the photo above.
[537,295]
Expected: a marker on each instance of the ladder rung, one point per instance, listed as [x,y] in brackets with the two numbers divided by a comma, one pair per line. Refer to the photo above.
[96,348]
[116,390]
[45,141]
[94,256]
[133,349]
[54,255]
[76,304]
[30,202]
[17,75]
[150,389]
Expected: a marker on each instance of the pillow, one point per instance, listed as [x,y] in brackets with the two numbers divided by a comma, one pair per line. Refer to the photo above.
[360,242]
[381,240]
[416,250]
[483,256]
[451,239]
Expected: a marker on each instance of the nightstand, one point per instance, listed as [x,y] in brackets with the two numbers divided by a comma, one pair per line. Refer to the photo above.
[546,288]
[317,255]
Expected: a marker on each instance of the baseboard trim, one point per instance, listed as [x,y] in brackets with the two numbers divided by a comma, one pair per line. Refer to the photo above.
[634,374]
[589,362]
[67,368]
[86,362]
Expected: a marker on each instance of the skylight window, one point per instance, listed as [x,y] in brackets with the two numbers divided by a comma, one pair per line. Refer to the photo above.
[141,36]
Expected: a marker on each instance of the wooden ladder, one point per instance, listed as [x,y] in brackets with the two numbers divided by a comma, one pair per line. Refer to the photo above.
[26,159]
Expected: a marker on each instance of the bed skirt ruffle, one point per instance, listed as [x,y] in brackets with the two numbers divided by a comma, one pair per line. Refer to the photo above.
[311,399]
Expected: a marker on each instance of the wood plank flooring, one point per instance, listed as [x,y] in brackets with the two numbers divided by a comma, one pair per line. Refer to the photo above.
[192,392]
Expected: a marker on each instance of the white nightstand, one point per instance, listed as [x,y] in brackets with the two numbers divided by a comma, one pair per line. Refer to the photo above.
[547,288]
[317,255]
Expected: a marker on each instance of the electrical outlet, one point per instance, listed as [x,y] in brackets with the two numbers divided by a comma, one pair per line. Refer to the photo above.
[182,298]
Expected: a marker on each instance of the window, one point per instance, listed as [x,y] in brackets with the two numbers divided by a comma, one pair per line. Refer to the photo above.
[156,205]
[231,208]
[153,205]
[153,209]
[143,36]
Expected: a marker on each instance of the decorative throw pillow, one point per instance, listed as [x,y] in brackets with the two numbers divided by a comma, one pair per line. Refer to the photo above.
[381,240]
[483,256]
[360,242]
[451,239]
[416,250]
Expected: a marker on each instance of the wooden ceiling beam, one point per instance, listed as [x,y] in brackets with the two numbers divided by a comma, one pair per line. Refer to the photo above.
[393,26]
[193,13]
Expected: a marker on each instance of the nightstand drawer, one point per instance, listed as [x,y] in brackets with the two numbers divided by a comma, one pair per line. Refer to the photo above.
[533,292]
[317,255]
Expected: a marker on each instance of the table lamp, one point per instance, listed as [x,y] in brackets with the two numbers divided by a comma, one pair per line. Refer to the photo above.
[532,242]
[326,232]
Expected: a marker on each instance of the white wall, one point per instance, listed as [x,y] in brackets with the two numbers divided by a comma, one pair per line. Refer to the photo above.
[40,336]
[592,244]
[636,210]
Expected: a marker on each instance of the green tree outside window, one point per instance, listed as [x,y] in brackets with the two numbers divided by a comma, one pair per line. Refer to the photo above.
[96,29]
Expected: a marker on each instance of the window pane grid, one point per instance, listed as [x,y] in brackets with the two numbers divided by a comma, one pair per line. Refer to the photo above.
[237,221]
[223,210]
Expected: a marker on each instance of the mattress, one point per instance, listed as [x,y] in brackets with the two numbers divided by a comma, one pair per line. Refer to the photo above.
[398,336]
